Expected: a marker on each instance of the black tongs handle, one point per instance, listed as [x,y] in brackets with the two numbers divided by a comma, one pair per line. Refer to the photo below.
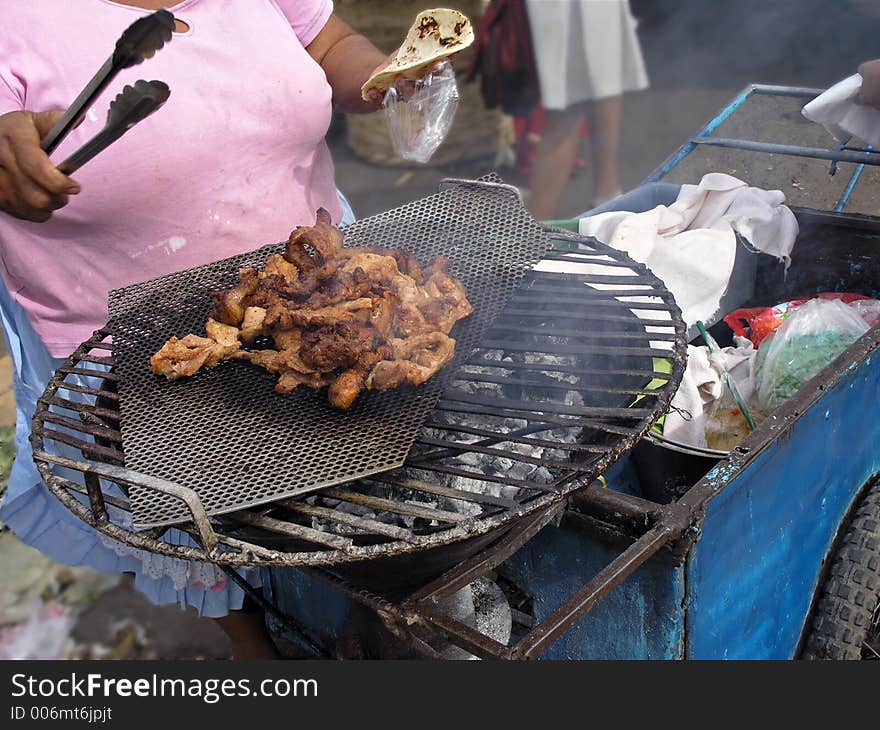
[127,109]
[140,41]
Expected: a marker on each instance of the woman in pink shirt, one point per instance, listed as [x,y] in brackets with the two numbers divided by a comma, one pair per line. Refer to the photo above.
[235,159]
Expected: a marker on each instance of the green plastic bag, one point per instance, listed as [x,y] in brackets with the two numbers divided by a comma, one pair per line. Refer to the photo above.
[815,334]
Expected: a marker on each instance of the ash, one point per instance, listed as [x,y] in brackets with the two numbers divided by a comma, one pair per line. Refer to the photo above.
[507,467]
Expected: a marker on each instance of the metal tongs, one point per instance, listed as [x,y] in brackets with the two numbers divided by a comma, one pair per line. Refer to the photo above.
[127,109]
[140,41]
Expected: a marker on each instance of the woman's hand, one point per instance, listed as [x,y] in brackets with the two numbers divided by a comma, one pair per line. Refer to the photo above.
[31,187]
[374,96]
[869,94]
[348,60]
[404,83]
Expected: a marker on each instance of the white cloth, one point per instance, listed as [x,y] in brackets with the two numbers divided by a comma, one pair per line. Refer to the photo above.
[691,245]
[701,385]
[838,111]
[585,50]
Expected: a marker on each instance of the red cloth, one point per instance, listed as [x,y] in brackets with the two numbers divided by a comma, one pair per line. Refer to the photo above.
[504,59]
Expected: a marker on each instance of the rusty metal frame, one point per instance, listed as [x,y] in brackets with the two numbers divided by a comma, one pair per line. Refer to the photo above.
[647,527]
[417,616]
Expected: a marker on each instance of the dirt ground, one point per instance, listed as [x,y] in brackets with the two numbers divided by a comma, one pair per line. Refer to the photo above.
[699,56]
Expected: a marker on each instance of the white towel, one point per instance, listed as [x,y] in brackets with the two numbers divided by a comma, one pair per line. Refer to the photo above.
[838,111]
[691,245]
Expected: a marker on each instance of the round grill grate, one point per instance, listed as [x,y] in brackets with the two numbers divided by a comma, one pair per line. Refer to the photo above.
[556,392]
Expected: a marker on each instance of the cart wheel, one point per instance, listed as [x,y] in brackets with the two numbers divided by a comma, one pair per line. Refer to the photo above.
[846,624]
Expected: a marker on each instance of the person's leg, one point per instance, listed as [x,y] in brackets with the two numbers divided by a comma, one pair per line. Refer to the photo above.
[554,160]
[247,634]
[603,116]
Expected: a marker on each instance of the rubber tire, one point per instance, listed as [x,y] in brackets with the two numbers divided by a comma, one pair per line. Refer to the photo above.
[848,610]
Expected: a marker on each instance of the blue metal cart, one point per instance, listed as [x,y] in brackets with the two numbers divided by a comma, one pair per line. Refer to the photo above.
[770,552]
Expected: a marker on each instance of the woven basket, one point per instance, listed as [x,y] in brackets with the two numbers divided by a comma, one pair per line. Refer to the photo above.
[474,132]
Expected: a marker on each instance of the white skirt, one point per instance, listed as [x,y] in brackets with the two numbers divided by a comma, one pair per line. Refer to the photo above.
[585,50]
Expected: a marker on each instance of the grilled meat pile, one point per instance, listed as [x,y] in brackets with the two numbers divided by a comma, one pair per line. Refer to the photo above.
[323,315]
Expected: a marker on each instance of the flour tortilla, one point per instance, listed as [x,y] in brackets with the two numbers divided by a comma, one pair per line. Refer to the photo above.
[435,35]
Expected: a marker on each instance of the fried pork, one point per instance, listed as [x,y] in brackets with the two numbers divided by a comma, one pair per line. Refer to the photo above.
[322,315]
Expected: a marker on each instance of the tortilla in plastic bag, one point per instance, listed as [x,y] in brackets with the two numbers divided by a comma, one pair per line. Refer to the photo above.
[435,35]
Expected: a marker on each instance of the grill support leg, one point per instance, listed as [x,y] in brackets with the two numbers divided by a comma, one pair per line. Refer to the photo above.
[289,623]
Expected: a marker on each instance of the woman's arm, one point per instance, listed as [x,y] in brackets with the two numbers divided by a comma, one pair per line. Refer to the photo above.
[348,60]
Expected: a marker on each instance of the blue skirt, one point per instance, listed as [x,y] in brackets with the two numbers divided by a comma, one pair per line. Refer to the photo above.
[38,519]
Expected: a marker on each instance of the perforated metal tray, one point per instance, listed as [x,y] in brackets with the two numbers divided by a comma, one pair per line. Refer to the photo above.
[226,434]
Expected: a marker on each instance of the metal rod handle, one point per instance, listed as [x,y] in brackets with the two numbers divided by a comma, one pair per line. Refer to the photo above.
[611,576]
[448,182]
[121,475]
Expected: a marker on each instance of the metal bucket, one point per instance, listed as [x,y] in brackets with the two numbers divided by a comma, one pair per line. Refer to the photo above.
[667,468]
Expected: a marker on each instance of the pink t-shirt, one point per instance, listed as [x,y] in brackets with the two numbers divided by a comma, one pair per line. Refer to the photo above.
[235,159]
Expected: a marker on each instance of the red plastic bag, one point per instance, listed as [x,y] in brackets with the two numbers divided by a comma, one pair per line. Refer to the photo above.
[757,323]
[869,310]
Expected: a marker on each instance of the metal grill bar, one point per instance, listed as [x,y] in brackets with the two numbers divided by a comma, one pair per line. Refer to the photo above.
[572,282]
[581,423]
[101,431]
[575,301]
[105,394]
[89,373]
[293,530]
[343,518]
[379,503]
[555,349]
[460,396]
[88,450]
[98,360]
[526,440]
[580,334]
[590,316]
[628,299]
[474,448]
[492,440]
[549,368]
[577,257]
[443,491]
[469,377]
[82,408]
[480,476]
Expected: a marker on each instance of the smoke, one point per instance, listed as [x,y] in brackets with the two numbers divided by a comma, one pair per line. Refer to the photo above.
[729,43]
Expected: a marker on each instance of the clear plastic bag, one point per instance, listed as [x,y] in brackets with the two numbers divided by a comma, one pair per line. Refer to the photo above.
[868,310]
[809,340]
[726,424]
[420,112]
